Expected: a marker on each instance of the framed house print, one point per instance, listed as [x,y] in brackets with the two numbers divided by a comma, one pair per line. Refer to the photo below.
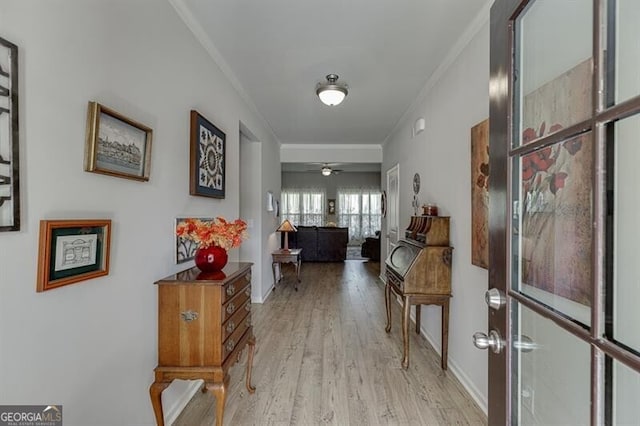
[71,251]
[116,145]
[206,159]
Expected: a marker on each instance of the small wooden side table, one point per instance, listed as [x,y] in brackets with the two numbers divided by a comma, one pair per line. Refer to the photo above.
[286,256]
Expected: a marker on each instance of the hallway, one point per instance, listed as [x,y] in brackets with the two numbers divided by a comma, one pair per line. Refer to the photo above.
[323,357]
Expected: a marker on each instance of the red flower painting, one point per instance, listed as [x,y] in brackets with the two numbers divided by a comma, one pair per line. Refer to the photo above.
[547,168]
[555,230]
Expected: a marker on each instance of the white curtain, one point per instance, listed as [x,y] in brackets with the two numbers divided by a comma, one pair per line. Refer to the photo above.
[303,206]
[359,210]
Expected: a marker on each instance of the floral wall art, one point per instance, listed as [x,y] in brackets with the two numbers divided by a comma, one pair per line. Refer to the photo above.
[556,189]
[480,194]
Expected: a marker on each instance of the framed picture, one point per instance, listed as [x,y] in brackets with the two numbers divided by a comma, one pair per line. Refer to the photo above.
[185,249]
[207,158]
[116,145]
[71,251]
[556,231]
[331,206]
[480,194]
[9,132]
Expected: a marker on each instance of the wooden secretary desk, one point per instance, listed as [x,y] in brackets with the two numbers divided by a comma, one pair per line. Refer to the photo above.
[418,270]
[204,323]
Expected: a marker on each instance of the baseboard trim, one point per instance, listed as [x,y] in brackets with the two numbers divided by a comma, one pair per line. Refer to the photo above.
[176,396]
[265,296]
[453,366]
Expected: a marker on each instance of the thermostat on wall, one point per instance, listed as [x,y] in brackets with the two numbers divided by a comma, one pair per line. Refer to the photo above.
[418,126]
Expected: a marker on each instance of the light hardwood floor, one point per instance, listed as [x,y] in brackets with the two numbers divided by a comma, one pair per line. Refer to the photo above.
[323,357]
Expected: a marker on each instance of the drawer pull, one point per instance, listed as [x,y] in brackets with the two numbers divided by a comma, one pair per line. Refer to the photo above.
[247,292]
[231,326]
[231,290]
[446,256]
[230,345]
[248,277]
[188,316]
[231,308]
[247,307]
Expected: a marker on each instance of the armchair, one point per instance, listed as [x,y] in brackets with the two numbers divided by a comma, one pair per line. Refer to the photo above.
[371,247]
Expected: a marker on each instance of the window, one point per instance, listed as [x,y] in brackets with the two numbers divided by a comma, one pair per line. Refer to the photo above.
[303,206]
[359,210]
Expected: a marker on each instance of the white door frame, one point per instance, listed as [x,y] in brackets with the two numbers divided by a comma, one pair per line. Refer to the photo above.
[393,207]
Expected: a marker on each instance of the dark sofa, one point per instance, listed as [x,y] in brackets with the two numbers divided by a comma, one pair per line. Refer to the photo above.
[320,243]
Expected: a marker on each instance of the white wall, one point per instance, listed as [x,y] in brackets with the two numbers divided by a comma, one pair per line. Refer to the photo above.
[332,182]
[626,267]
[250,209]
[547,53]
[627,52]
[626,275]
[271,181]
[347,153]
[451,105]
[92,346]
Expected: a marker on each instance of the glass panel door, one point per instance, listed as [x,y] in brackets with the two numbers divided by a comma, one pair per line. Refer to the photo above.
[625,295]
[551,367]
[564,155]
[552,201]
[553,234]
[624,56]
[553,67]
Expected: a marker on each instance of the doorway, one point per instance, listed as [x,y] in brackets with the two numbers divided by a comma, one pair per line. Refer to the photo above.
[391,208]
[564,127]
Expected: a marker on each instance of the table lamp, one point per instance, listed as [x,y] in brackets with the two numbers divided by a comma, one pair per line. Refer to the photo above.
[286,227]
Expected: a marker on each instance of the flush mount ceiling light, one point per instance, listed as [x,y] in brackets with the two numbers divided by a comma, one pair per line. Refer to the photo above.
[331,93]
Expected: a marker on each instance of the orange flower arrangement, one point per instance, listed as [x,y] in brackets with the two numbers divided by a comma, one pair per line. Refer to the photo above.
[218,232]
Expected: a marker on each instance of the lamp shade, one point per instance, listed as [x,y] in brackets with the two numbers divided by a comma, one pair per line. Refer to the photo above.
[286,226]
[331,97]
[331,93]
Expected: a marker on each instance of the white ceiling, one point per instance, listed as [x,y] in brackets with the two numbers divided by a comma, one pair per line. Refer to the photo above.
[276,51]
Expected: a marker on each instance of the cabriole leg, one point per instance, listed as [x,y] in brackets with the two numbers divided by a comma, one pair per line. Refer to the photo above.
[155,391]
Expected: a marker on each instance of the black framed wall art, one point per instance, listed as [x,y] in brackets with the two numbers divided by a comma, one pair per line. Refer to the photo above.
[207,158]
[9,135]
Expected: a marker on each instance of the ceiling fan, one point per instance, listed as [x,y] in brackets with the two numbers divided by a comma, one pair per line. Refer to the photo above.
[326,169]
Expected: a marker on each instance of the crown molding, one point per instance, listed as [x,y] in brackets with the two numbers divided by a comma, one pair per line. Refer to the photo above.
[201,36]
[467,36]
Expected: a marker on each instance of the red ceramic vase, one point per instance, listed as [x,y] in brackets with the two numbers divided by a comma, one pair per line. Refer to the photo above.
[211,259]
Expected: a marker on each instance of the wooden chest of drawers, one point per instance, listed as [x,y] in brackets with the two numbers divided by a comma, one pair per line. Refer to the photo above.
[204,323]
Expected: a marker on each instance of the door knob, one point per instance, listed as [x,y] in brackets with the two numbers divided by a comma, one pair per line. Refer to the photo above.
[524,344]
[493,341]
[495,298]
